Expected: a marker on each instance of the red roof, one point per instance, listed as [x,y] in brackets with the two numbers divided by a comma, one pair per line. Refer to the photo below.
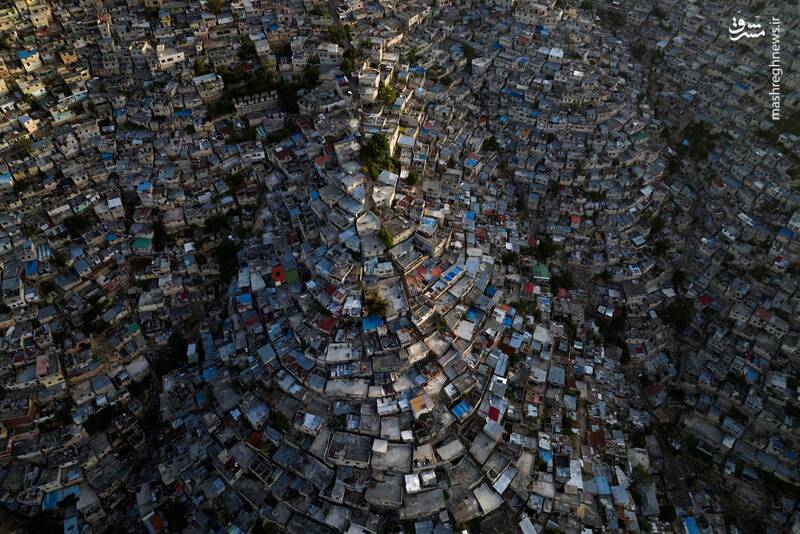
[597,438]
[705,299]
[494,413]
[327,324]
[278,274]
[255,439]
[528,287]
[156,522]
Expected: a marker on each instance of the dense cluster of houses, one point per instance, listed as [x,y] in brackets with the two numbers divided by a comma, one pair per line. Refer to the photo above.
[383,266]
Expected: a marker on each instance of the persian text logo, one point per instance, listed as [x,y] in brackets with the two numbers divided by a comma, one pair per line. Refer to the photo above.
[739,28]
[775,70]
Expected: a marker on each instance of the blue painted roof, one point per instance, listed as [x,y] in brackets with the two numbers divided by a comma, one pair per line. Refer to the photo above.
[371,323]
[603,488]
[25,54]
[461,409]
[210,373]
[245,298]
[51,499]
[690,525]
[71,525]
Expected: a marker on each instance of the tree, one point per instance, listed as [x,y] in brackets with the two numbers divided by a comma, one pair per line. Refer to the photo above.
[234,181]
[638,51]
[215,6]
[509,258]
[564,280]
[605,276]
[759,272]
[699,141]
[76,225]
[414,178]
[679,314]
[656,225]
[666,513]
[375,156]
[375,304]
[469,52]
[586,4]
[678,277]
[200,67]
[490,144]
[386,237]
[310,76]
[23,144]
[640,473]
[247,51]
[220,108]
[226,256]
[387,93]
[545,249]
[613,18]
[526,307]
[279,421]
[339,34]
[660,247]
